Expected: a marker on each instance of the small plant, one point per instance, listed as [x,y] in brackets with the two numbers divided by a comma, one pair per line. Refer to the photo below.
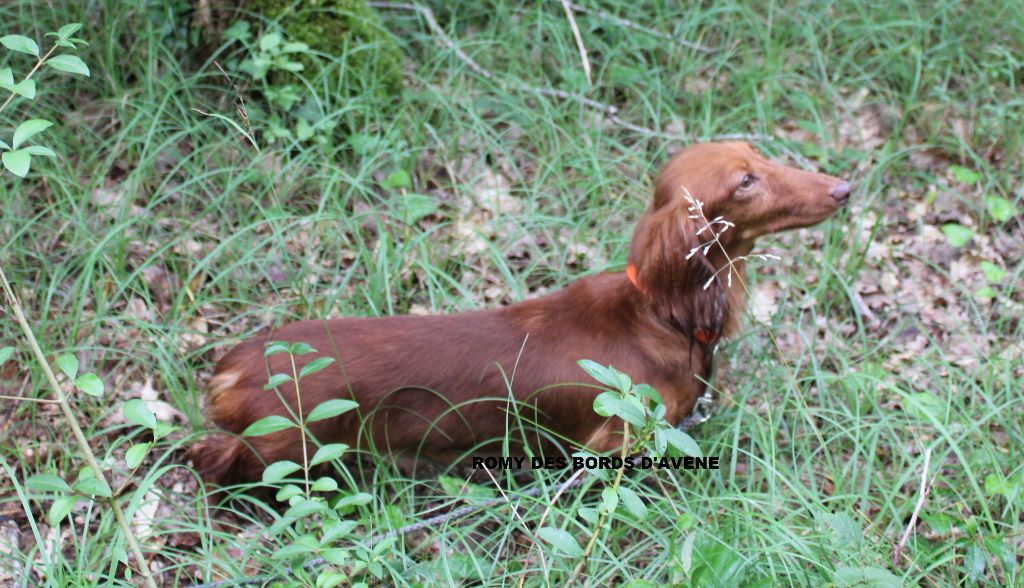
[645,430]
[273,64]
[91,482]
[16,156]
[316,521]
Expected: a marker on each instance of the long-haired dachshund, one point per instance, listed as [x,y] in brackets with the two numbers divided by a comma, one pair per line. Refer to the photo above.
[440,386]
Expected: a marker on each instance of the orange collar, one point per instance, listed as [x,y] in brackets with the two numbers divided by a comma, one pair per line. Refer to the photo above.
[631,274]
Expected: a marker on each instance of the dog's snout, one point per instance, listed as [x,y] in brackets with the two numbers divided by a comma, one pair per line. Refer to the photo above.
[841,192]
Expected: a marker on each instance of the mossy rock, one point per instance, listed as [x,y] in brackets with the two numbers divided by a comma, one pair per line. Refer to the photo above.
[333,27]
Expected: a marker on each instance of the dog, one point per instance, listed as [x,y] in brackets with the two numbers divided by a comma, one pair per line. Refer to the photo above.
[441,386]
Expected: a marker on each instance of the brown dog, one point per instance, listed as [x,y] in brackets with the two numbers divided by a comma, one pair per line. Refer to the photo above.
[439,386]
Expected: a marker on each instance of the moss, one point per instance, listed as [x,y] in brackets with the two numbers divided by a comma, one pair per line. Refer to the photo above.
[336,28]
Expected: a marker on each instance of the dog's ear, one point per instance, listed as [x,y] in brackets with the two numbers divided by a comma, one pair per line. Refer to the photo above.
[678,281]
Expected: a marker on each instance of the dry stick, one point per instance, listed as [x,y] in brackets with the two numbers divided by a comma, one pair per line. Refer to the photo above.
[579,40]
[922,494]
[72,421]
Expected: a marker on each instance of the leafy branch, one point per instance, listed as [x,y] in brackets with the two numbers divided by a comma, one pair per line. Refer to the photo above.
[17,159]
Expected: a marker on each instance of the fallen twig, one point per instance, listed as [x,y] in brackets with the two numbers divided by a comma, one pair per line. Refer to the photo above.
[579,40]
[922,494]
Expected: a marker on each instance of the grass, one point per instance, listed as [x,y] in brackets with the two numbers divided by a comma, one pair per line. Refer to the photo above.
[161,236]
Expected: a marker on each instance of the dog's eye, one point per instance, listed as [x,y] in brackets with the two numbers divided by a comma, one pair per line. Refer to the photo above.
[746,182]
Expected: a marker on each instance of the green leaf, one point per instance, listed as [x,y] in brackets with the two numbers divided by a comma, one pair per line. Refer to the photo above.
[336,530]
[20,43]
[588,514]
[471,493]
[648,392]
[68,64]
[330,408]
[995,484]
[267,425]
[90,384]
[414,207]
[300,348]
[136,411]
[29,128]
[26,88]
[976,561]
[48,483]
[660,440]
[279,470]
[328,453]
[60,509]
[68,364]
[5,354]
[625,383]
[985,293]
[633,503]
[300,507]
[846,531]
[958,235]
[40,150]
[277,380]
[358,499]
[686,553]
[609,500]
[67,30]
[993,273]
[324,484]
[287,492]
[302,547]
[315,366]
[1000,208]
[865,577]
[295,47]
[925,406]
[628,409]
[270,41]
[239,31]
[6,77]
[600,373]
[682,442]
[275,347]
[91,486]
[561,540]
[964,175]
[135,454]
[17,162]
[398,180]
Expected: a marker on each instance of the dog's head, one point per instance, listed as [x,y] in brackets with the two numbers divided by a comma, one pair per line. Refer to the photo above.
[697,193]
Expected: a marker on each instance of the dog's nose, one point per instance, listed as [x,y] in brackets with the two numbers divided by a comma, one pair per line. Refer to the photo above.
[841,192]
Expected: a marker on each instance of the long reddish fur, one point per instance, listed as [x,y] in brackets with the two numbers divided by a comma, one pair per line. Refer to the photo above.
[438,386]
